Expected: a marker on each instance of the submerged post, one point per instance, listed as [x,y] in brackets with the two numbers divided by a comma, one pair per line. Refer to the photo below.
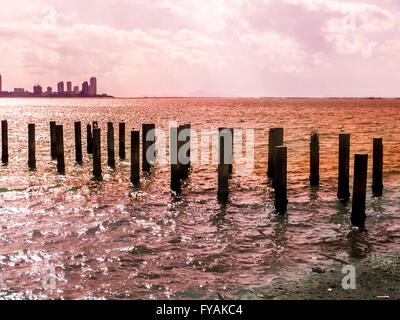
[359,190]
[223,164]
[377,184]
[175,167]
[180,144]
[60,150]
[275,139]
[53,144]
[97,173]
[280,179]
[110,145]
[148,146]
[4,141]
[78,142]
[185,161]
[344,167]
[31,147]
[314,160]
[231,154]
[89,139]
[122,154]
[135,161]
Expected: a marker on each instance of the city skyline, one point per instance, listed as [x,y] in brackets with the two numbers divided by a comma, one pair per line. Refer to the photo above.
[63,89]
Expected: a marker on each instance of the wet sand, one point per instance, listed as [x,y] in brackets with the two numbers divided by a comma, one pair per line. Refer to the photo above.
[376,278]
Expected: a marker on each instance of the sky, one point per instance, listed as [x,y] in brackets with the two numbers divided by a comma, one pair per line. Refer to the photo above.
[204,47]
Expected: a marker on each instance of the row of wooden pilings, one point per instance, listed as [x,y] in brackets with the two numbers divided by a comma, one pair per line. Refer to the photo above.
[277,160]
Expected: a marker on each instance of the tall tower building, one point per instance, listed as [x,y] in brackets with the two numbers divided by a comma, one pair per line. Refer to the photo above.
[93,86]
[85,89]
[60,87]
[69,87]
[1,85]
[37,90]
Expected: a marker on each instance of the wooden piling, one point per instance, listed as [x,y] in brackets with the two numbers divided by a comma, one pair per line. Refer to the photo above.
[186,166]
[189,140]
[280,179]
[60,149]
[97,172]
[344,167]
[275,139]
[359,190]
[78,142]
[314,160]
[148,139]
[4,142]
[95,125]
[110,145]
[89,139]
[31,147]
[53,143]
[231,155]
[223,165]
[181,166]
[122,153]
[135,158]
[377,179]
[175,167]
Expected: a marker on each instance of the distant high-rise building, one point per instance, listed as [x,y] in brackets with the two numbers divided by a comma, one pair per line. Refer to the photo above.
[93,86]
[76,89]
[60,87]
[69,87]
[37,90]
[1,85]
[85,89]
[49,90]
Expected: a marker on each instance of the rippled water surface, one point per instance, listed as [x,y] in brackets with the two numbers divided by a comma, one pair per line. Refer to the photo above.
[110,240]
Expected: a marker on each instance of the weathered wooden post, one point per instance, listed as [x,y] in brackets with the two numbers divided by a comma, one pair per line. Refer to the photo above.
[31,147]
[275,139]
[53,143]
[181,166]
[231,154]
[185,165]
[97,172]
[377,184]
[175,166]
[60,150]
[359,190]
[4,140]
[95,125]
[223,164]
[148,146]
[122,153]
[110,145]
[280,179]
[78,142]
[89,136]
[135,159]
[344,167]
[314,160]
